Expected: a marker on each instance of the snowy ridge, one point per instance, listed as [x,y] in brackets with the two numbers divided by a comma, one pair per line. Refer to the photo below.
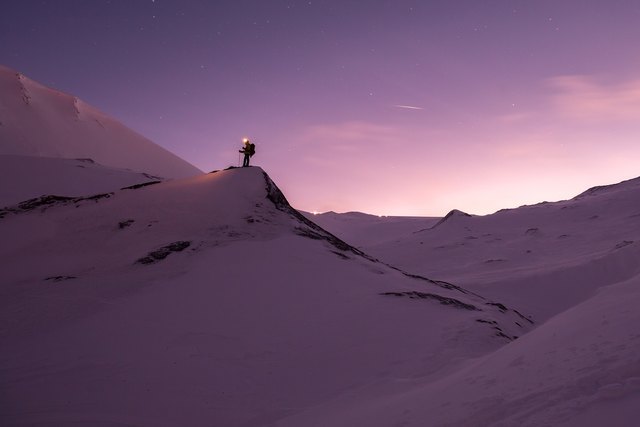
[39,121]
[600,189]
[207,295]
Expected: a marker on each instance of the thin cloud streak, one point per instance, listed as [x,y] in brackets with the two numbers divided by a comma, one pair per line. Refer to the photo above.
[408,107]
[581,97]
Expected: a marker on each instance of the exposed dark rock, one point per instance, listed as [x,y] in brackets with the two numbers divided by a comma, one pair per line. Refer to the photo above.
[492,261]
[94,198]
[60,278]
[250,219]
[48,201]
[86,160]
[532,231]
[311,229]
[623,244]
[144,184]
[440,283]
[442,300]
[164,252]
[37,202]
[522,316]
[340,254]
[501,307]
[503,335]
[125,224]
[500,333]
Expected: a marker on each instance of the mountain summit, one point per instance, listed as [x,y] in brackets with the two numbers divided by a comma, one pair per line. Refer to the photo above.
[39,121]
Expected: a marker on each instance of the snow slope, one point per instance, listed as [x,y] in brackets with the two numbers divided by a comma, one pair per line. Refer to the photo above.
[27,177]
[579,369]
[211,302]
[543,258]
[38,121]
[576,266]
[364,230]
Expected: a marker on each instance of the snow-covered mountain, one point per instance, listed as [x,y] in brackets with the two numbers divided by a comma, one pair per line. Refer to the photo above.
[211,302]
[27,177]
[38,121]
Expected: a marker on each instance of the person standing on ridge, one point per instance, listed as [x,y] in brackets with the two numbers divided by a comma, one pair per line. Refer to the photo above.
[248,149]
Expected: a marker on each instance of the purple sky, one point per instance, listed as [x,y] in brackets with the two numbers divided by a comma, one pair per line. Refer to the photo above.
[512,102]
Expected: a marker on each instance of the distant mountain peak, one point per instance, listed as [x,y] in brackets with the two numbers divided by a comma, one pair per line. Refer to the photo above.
[36,120]
[455,213]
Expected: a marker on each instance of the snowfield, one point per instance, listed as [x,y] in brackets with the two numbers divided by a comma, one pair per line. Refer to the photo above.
[573,265]
[363,230]
[210,301]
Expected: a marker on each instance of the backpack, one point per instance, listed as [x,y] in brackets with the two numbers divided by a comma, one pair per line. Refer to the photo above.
[252,149]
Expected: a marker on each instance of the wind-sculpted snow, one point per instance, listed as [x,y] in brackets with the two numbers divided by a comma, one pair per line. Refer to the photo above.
[163,252]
